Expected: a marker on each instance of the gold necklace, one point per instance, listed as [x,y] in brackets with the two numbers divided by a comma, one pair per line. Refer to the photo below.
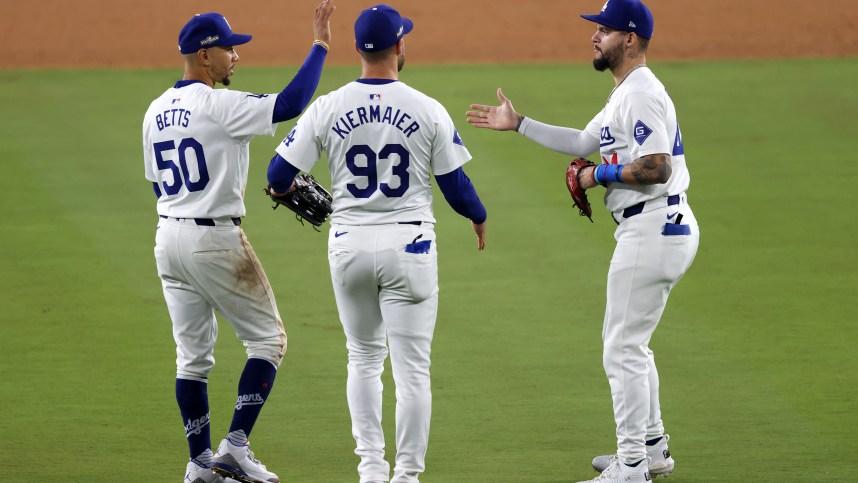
[623,80]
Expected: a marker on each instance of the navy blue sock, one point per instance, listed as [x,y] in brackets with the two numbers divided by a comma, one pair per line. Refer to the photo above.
[193,400]
[253,390]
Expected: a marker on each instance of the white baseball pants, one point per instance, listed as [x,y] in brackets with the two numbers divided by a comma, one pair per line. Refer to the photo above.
[646,265]
[387,296]
[208,268]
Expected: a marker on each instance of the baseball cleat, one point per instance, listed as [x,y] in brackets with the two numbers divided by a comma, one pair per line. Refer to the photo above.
[617,472]
[238,463]
[660,461]
[195,473]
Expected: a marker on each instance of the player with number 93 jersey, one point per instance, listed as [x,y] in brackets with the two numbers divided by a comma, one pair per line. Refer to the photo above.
[384,142]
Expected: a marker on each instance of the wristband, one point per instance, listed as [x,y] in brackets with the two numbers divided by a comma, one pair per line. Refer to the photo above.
[605,173]
[322,43]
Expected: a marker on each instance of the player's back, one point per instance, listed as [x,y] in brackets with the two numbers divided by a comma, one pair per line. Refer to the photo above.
[384,141]
[196,148]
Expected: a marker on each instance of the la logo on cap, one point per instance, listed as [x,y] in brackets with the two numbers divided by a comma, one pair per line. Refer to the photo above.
[605,6]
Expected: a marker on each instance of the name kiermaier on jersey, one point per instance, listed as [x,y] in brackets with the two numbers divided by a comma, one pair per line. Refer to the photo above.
[249,400]
[195,426]
[370,114]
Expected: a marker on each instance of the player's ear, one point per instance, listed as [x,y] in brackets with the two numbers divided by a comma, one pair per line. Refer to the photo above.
[400,44]
[203,56]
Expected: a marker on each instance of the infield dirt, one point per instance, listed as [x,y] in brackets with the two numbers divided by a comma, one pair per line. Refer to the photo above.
[127,34]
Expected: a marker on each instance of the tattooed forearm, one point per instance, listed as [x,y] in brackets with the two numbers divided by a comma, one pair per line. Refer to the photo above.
[651,169]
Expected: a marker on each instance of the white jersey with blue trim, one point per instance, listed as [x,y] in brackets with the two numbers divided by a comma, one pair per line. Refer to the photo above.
[196,148]
[383,142]
[638,120]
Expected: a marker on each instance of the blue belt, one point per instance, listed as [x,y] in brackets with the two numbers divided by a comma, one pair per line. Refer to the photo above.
[638,208]
[205,221]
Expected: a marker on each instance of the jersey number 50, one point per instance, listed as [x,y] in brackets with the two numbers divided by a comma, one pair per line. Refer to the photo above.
[370,171]
[185,177]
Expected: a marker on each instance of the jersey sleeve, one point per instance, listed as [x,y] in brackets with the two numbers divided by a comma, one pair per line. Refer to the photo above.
[594,127]
[302,147]
[646,126]
[243,114]
[148,163]
[448,148]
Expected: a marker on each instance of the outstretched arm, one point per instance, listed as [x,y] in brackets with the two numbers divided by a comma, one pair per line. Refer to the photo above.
[503,117]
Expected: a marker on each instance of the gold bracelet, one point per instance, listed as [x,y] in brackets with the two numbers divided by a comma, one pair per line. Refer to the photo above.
[322,43]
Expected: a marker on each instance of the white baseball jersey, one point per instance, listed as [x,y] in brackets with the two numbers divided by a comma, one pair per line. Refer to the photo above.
[655,248]
[377,175]
[639,120]
[196,148]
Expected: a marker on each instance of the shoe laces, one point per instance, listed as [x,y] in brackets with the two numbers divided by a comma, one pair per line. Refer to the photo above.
[252,458]
[611,471]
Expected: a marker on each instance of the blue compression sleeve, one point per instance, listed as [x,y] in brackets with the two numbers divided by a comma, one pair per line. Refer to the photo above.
[295,97]
[461,195]
[281,174]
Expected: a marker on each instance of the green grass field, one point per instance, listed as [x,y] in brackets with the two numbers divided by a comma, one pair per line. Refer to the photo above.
[756,349]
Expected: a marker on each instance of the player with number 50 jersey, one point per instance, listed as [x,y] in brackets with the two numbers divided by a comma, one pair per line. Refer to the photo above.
[196,154]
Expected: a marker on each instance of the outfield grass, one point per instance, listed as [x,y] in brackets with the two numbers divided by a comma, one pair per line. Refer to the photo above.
[756,349]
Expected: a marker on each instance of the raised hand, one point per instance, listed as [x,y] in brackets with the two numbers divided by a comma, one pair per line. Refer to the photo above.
[322,21]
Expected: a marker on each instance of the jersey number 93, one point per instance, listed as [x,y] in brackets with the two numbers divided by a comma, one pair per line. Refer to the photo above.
[370,171]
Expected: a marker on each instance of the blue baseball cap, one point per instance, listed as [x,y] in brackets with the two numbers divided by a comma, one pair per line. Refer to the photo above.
[627,15]
[380,27]
[208,30]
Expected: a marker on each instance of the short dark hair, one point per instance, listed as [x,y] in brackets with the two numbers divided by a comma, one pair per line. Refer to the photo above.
[376,57]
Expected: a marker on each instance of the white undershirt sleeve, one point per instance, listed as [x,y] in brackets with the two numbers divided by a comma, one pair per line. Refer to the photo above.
[564,140]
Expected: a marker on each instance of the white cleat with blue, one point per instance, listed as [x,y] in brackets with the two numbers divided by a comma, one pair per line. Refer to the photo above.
[660,461]
[238,463]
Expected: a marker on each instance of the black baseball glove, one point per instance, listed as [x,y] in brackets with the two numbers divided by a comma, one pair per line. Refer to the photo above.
[307,198]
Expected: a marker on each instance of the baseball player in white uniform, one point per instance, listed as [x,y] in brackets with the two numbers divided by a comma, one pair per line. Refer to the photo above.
[643,167]
[383,140]
[196,153]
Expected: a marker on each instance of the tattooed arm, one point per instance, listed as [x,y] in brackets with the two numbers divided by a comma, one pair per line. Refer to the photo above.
[646,170]
[650,169]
